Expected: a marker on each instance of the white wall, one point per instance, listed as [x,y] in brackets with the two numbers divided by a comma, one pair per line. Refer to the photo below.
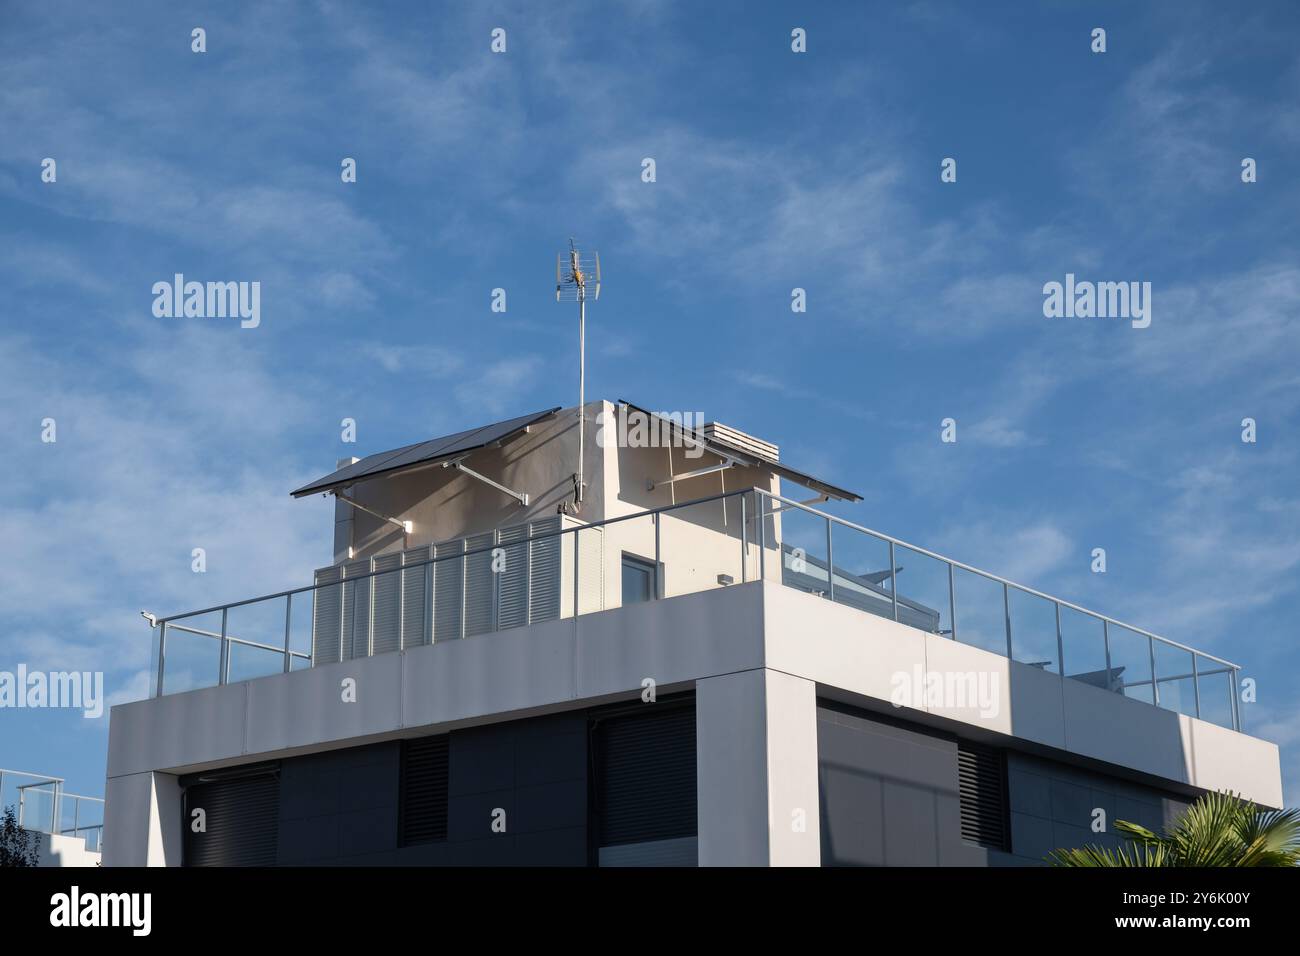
[756,763]
[842,647]
[58,849]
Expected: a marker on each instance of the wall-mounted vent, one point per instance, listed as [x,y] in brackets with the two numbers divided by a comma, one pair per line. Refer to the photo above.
[726,435]
[424,790]
[982,779]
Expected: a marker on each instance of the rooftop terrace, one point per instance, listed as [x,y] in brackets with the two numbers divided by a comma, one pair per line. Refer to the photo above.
[558,568]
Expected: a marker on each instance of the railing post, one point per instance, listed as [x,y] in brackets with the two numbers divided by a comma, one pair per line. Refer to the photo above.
[162,657]
[224,676]
[744,543]
[577,591]
[345,608]
[1233,674]
[495,591]
[1105,640]
[1006,616]
[952,603]
[428,599]
[760,510]
[659,587]
[893,578]
[288,619]
[370,617]
[528,574]
[1060,641]
[1155,687]
[830,564]
[1196,685]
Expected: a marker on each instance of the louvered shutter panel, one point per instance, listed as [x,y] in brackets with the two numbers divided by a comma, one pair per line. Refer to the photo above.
[478,585]
[356,610]
[413,592]
[512,578]
[242,816]
[544,574]
[982,782]
[326,617]
[448,591]
[424,790]
[645,774]
[387,628]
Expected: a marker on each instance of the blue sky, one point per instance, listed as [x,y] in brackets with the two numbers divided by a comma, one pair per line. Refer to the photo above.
[774,171]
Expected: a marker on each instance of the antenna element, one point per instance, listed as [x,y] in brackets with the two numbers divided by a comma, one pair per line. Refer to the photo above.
[574,281]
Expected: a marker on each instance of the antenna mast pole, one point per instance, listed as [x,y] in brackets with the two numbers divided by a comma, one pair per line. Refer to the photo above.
[582,391]
[573,281]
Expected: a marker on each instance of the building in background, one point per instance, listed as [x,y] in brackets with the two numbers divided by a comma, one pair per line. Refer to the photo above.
[691,666]
[68,828]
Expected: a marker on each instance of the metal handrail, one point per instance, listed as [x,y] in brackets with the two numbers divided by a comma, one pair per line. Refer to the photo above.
[459,555]
[58,798]
[987,574]
[654,514]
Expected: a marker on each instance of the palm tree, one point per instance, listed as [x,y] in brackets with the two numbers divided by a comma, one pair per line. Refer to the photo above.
[1219,829]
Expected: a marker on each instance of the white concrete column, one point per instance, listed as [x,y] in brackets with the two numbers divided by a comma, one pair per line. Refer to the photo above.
[142,820]
[756,743]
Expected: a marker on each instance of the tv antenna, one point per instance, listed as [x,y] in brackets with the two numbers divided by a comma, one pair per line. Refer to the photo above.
[575,279]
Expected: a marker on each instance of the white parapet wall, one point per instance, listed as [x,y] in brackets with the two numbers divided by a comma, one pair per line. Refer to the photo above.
[58,849]
[758,656]
[868,656]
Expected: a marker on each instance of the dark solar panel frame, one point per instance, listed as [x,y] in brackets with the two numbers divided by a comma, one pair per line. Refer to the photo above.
[422,453]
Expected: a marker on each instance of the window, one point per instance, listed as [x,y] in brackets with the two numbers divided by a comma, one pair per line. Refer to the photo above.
[639,580]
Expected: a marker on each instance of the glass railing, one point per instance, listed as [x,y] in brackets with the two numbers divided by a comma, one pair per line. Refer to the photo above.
[42,805]
[899,581]
[520,576]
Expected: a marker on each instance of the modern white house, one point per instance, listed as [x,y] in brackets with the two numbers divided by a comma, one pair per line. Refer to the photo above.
[664,656]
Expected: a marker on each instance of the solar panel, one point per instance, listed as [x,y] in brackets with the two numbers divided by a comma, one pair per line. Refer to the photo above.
[725,450]
[423,453]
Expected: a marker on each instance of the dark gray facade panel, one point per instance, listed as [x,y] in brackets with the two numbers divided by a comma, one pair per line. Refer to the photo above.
[890,797]
[344,807]
[1053,806]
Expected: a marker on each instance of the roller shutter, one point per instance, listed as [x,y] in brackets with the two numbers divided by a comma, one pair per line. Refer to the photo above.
[241,815]
[644,783]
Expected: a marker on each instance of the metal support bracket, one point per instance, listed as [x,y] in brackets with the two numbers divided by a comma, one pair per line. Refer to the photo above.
[811,501]
[404,525]
[650,484]
[459,465]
